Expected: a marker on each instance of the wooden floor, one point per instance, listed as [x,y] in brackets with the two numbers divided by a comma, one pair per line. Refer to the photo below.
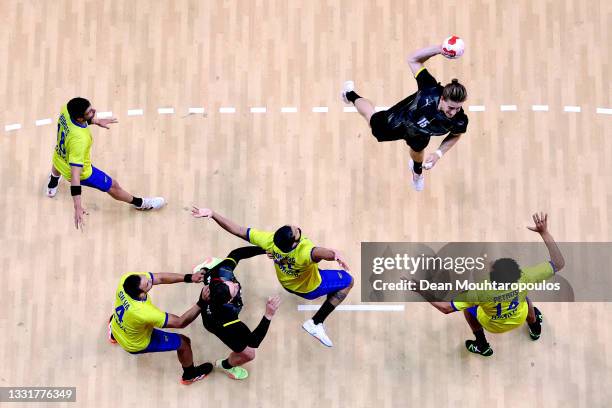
[321,171]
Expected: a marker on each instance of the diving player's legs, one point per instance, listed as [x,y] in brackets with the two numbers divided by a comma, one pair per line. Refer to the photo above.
[534,321]
[480,345]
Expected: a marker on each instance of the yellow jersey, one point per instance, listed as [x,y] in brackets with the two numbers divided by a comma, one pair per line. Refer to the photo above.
[504,310]
[133,320]
[295,270]
[73,146]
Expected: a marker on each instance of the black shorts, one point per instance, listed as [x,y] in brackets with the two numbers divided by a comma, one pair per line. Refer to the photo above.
[384,133]
[234,335]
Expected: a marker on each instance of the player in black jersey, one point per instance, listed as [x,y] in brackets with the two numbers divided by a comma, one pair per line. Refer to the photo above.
[434,110]
[221,302]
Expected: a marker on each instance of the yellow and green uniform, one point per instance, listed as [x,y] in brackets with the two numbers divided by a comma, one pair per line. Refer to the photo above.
[501,311]
[73,146]
[295,270]
[133,320]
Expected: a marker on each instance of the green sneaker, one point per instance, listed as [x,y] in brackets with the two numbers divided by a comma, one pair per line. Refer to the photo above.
[473,347]
[535,332]
[235,373]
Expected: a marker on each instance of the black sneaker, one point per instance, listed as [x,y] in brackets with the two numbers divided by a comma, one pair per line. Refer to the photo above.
[534,332]
[475,348]
[199,373]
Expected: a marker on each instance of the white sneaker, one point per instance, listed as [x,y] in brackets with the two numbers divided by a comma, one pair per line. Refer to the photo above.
[418,180]
[51,192]
[346,88]
[318,331]
[152,203]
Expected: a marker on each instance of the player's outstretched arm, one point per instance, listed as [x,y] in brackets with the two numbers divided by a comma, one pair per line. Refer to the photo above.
[180,322]
[319,254]
[239,254]
[444,307]
[541,227]
[257,335]
[418,58]
[223,222]
[167,277]
[448,142]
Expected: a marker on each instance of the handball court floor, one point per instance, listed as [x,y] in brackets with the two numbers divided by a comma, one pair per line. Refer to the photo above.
[322,171]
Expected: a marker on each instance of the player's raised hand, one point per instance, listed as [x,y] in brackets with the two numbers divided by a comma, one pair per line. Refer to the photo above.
[201,212]
[272,306]
[541,223]
[104,122]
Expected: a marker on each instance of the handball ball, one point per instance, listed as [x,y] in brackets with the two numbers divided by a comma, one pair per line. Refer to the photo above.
[453,47]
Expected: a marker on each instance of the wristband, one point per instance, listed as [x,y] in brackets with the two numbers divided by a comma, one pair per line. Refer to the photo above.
[75,190]
[439,153]
[187,278]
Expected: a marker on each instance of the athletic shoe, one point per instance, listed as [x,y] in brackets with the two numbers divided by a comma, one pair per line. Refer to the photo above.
[534,333]
[151,203]
[473,347]
[418,180]
[235,373]
[199,267]
[346,88]
[109,335]
[200,372]
[318,331]
[51,192]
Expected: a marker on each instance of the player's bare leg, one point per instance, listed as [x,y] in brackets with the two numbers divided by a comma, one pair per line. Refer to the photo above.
[315,326]
[366,108]
[146,203]
[185,356]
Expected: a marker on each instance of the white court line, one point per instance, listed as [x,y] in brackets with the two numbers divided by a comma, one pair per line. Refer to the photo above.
[13,126]
[135,112]
[350,109]
[104,115]
[320,109]
[227,109]
[506,108]
[571,109]
[196,110]
[357,308]
[381,108]
[289,109]
[476,108]
[42,122]
[605,111]
[259,109]
[165,111]
[539,108]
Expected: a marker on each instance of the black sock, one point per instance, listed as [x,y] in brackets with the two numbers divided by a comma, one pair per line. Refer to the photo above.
[418,167]
[352,96]
[535,326]
[480,337]
[53,181]
[136,201]
[188,371]
[324,311]
[225,364]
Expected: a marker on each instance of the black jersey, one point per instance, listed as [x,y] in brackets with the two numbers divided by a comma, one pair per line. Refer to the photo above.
[224,271]
[418,114]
